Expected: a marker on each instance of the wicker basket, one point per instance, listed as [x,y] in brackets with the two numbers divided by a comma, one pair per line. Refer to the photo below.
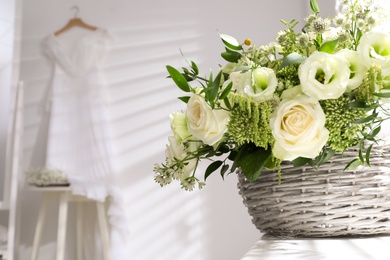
[324,203]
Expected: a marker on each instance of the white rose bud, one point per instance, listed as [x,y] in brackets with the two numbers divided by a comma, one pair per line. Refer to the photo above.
[298,126]
[204,123]
[324,76]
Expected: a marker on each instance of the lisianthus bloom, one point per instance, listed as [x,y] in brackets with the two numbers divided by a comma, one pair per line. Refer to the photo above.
[205,123]
[324,76]
[356,66]
[374,47]
[298,126]
[259,83]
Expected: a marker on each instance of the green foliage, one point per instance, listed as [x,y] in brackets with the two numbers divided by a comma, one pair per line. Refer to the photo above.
[231,56]
[230,42]
[329,47]
[314,6]
[293,58]
[179,79]
[252,160]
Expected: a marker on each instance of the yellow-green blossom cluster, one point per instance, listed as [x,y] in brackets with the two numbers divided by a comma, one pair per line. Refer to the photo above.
[343,133]
[249,121]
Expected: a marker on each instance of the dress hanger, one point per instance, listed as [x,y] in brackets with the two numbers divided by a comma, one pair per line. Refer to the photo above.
[75,22]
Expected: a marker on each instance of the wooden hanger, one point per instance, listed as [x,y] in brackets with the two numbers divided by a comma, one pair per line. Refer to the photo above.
[75,22]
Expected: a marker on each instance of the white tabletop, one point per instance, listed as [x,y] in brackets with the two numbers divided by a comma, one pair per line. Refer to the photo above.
[275,248]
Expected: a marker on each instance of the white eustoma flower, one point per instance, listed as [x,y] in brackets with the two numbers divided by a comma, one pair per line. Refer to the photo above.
[356,66]
[205,123]
[259,84]
[324,76]
[374,47]
[298,126]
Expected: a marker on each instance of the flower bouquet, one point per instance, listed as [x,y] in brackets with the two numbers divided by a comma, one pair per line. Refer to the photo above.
[298,120]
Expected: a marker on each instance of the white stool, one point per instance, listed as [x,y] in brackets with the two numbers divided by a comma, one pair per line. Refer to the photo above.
[65,196]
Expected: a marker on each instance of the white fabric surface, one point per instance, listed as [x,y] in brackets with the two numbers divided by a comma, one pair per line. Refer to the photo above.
[77,139]
[276,248]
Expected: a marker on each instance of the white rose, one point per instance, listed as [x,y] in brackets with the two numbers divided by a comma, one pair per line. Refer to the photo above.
[324,76]
[374,47]
[298,126]
[179,126]
[259,84]
[205,123]
[356,66]
[176,150]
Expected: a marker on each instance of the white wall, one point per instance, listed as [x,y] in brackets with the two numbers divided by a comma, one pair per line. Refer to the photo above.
[167,223]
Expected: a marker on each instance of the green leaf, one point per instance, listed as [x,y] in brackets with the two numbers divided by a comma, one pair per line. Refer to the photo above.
[368,153]
[243,68]
[223,148]
[179,79]
[292,58]
[230,42]
[300,161]
[361,158]
[188,77]
[252,162]
[366,119]
[227,103]
[359,34]
[232,155]
[213,88]
[329,46]
[270,163]
[231,56]
[224,169]
[358,104]
[195,68]
[226,91]
[375,132]
[314,6]
[322,158]
[328,154]
[184,99]
[212,168]
[353,164]
[382,95]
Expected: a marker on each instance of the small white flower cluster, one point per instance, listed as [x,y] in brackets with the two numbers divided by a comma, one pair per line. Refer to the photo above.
[165,175]
[46,177]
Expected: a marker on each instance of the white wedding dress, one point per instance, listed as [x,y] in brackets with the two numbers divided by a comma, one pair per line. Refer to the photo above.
[77,139]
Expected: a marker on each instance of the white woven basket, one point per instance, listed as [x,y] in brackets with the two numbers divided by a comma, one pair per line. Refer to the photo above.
[324,203]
